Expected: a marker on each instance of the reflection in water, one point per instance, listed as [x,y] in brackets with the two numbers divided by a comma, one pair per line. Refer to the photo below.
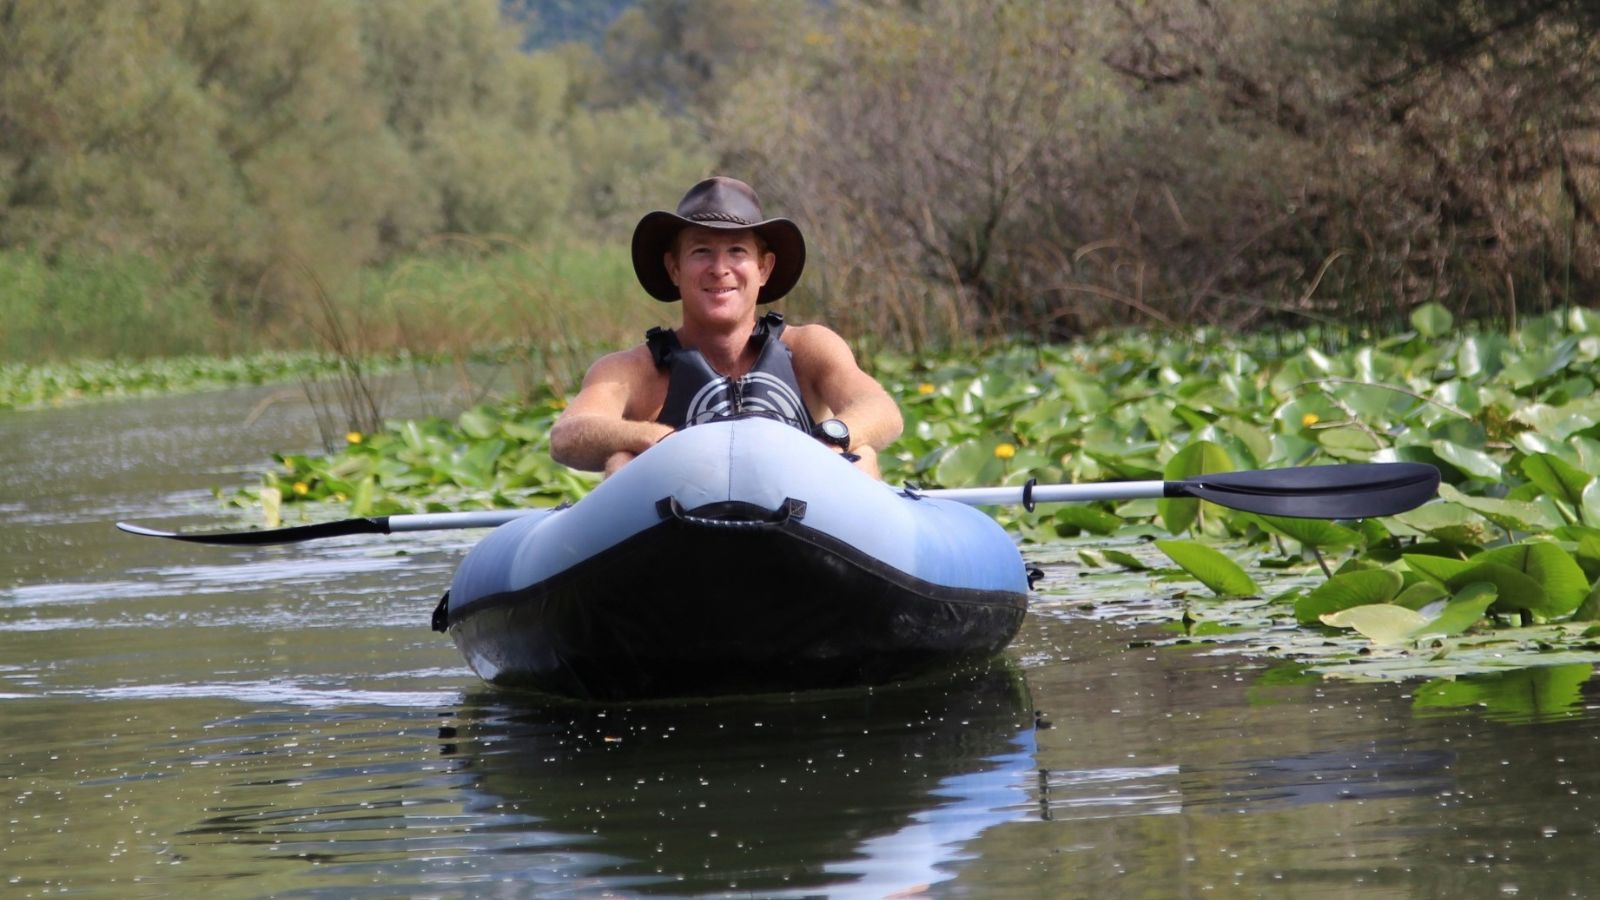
[870,792]
[1516,695]
[1373,771]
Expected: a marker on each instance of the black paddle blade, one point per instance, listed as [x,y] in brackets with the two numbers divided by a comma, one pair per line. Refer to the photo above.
[1354,491]
[293,534]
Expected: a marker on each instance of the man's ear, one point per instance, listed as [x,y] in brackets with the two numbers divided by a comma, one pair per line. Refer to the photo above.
[769,262]
[669,260]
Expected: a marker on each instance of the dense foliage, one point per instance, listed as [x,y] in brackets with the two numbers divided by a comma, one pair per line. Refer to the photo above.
[1513,422]
[269,151]
[961,167]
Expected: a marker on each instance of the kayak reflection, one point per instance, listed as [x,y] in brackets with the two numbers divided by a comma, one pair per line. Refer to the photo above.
[869,792]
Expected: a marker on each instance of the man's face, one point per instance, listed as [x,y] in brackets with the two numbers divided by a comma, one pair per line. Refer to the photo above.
[719,273]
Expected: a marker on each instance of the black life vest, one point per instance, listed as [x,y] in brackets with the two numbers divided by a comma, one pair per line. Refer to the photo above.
[697,393]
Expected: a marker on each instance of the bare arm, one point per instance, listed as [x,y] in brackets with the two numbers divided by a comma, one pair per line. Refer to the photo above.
[604,426]
[836,386]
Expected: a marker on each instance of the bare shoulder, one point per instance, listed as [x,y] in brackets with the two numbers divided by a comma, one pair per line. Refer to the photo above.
[633,365]
[816,342]
[623,384]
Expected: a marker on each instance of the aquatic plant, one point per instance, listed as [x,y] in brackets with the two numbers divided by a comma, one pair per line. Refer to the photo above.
[54,384]
[1506,559]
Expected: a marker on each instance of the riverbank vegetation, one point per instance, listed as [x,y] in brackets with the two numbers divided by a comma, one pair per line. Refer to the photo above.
[216,177]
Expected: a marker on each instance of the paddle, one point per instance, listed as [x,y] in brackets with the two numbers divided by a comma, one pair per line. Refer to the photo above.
[1351,491]
[372,525]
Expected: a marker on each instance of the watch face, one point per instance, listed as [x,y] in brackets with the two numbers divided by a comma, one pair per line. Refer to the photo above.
[835,430]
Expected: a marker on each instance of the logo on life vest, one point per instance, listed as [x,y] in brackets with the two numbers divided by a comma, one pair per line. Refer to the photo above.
[758,393]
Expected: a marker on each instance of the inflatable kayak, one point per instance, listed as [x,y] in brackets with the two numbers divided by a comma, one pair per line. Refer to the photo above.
[738,556]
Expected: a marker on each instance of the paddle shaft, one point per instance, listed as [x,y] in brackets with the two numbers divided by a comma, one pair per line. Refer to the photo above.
[1055,493]
[488,518]
[1349,491]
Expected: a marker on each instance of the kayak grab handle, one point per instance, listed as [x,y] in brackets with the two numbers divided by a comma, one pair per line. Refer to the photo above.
[733,514]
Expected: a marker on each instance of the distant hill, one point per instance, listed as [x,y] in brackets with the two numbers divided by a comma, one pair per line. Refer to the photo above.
[563,21]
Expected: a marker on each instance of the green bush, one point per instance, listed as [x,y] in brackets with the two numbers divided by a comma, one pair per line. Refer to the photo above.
[104,306]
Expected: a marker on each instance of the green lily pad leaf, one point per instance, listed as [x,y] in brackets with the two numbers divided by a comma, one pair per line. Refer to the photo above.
[1311,532]
[1552,568]
[1125,559]
[1256,441]
[1517,590]
[1432,320]
[967,463]
[1475,463]
[1559,422]
[1512,515]
[1420,594]
[1586,551]
[1589,609]
[478,424]
[1463,612]
[1211,568]
[1382,623]
[1195,459]
[1589,509]
[1439,569]
[1557,478]
[1349,443]
[361,499]
[1449,523]
[1361,587]
[1084,517]
[272,506]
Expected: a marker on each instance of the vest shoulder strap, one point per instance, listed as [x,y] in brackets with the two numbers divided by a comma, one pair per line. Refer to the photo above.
[663,343]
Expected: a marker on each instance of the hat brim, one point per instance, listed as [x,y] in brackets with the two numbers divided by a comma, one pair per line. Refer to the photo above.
[655,232]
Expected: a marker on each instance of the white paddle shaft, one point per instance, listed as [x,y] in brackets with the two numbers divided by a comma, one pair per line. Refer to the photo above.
[485,518]
[1053,493]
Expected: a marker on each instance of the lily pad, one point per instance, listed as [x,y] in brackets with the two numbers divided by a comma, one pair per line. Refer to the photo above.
[1466,610]
[1363,587]
[1195,459]
[1311,532]
[1211,568]
[1557,478]
[1382,623]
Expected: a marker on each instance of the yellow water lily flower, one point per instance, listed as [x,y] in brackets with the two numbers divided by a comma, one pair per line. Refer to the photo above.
[352,437]
[925,388]
[301,488]
[1309,419]
[1004,451]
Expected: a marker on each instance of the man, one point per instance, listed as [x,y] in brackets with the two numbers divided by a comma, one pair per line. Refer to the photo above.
[722,258]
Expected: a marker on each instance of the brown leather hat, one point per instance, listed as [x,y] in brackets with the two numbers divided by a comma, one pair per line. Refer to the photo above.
[724,203]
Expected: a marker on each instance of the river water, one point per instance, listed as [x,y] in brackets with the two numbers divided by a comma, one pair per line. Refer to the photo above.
[281,721]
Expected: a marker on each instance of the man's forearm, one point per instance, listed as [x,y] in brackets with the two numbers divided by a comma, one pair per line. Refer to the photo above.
[587,441]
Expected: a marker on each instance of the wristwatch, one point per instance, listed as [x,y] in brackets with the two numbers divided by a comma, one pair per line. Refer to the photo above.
[834,432]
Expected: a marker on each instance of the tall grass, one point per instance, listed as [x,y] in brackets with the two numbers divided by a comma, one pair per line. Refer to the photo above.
[549,307]
[103,306]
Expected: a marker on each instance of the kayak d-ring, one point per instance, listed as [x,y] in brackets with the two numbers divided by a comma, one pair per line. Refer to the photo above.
[1027,494]
[733,514]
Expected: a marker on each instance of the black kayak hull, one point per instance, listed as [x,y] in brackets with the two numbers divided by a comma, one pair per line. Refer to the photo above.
[729,611]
